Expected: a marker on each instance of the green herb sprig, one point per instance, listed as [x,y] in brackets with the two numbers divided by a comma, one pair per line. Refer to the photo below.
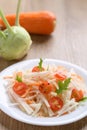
[63,85]
[83,99]
[40,64]
[19,78]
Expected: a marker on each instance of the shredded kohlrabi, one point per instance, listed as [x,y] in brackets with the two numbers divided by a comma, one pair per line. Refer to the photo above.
[37,93]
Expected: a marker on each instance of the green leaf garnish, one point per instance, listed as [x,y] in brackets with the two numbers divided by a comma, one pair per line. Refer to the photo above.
[83,99]
[40,64]
[18,78]
[63,85]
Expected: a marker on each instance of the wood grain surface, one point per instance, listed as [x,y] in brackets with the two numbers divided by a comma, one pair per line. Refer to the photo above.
[68,42]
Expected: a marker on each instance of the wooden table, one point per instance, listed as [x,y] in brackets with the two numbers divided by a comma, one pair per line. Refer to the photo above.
[68,42]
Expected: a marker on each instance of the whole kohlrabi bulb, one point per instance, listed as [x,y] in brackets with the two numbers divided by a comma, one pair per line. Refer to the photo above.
[15,41]
[15,44]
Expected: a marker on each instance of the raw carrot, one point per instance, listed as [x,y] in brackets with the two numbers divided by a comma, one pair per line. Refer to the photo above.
[42,22]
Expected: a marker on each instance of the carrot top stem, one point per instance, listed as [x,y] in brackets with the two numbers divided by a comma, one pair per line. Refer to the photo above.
[17,13]
[5,21]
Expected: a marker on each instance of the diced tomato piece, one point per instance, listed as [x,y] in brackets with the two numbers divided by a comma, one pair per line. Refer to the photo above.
[77,94]
[37,69]
[56,103]
[60,76]
[45,87]
[20,88]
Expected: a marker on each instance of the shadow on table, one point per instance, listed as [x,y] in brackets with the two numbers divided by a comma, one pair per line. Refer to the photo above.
[10,124]
[42,39]
[4,63]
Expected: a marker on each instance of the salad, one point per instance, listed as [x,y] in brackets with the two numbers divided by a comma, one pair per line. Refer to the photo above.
[46,90]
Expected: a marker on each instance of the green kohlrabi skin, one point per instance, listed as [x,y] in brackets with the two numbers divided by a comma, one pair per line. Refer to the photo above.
[15,41]
[16,44]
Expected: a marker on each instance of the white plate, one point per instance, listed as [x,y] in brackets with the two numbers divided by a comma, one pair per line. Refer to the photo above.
[17,114]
